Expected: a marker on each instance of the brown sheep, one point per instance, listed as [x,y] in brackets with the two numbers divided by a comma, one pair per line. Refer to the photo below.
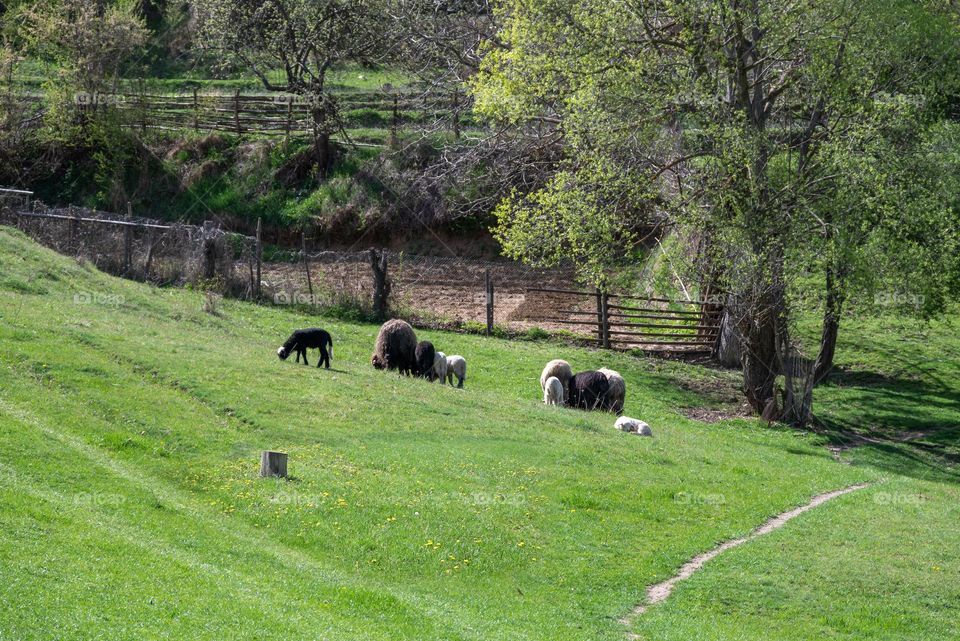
[559,368]
[617,392]
[396,347]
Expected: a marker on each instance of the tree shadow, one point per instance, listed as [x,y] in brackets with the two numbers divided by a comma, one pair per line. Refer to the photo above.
[907,422]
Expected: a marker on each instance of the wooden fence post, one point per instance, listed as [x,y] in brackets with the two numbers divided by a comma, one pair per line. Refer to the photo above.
[259,253]
[599,317]
[143,108]
[196,111]
[128,240]
[381,283]
[286,137]
[236,110]
[396,121]
[456,112]
[605,313]
[72,228]
[209,250]
[273,464]
[306,265]
[489,303]
[151,238]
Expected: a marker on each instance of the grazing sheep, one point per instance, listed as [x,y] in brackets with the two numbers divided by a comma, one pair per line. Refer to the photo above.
[425,354]
[456,366]
[587,390]
[617,392]
[302,340]
[553,391]
[561,370]
[440,368]
[632,425]
[396,347]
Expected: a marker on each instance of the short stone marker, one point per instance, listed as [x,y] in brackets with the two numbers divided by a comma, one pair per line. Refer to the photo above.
[273,464]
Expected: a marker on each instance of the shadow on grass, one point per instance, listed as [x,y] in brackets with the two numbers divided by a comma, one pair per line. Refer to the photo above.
[907,422]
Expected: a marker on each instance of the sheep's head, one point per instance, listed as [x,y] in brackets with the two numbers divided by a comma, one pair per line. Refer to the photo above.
[283,353]
[378,362]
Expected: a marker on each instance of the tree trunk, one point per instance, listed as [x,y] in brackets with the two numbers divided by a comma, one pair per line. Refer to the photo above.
[764,331]
[381,284]
[798,390]
[729,351]
[760,359]
[321,136]
[831,325]
[323,154]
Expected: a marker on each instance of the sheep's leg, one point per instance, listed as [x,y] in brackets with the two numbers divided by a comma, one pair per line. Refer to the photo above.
[305,357]
[459,383]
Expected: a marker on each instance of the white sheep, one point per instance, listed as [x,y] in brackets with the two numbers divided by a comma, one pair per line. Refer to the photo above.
[559,369]
[440,367]
[456,366]
[553,391]
[632,425]
[617,392]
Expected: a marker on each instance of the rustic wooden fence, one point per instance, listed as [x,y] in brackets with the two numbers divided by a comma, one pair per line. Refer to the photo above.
[265,114]
[626,321]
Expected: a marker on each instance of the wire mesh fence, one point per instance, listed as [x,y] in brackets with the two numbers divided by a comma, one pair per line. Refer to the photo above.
[444,291]
[429,289]
[434,289]
[143,249]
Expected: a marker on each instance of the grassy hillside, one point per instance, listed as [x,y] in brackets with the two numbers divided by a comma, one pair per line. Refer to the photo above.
[130,429]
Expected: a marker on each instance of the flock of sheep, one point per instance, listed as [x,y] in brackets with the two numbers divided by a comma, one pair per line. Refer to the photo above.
[396,348]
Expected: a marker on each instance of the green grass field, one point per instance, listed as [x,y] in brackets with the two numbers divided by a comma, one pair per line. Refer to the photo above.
[131,424]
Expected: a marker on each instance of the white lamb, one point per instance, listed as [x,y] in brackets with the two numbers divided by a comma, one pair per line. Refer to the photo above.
[553,391]
[632,425]
[616,393]
[560,369]
[439,367]
[456,366]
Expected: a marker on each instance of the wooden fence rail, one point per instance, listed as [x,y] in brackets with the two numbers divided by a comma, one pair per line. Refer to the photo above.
[662,324]
[269,115]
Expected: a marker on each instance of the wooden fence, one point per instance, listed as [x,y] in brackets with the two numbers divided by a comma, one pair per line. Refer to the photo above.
[264,114]
[625,321]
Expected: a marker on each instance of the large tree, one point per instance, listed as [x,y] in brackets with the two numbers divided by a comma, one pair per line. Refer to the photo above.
[291,46]
[758,127]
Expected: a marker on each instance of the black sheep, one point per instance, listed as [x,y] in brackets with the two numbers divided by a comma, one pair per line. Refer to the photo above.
[425,356]
[302,340]
[588,390]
